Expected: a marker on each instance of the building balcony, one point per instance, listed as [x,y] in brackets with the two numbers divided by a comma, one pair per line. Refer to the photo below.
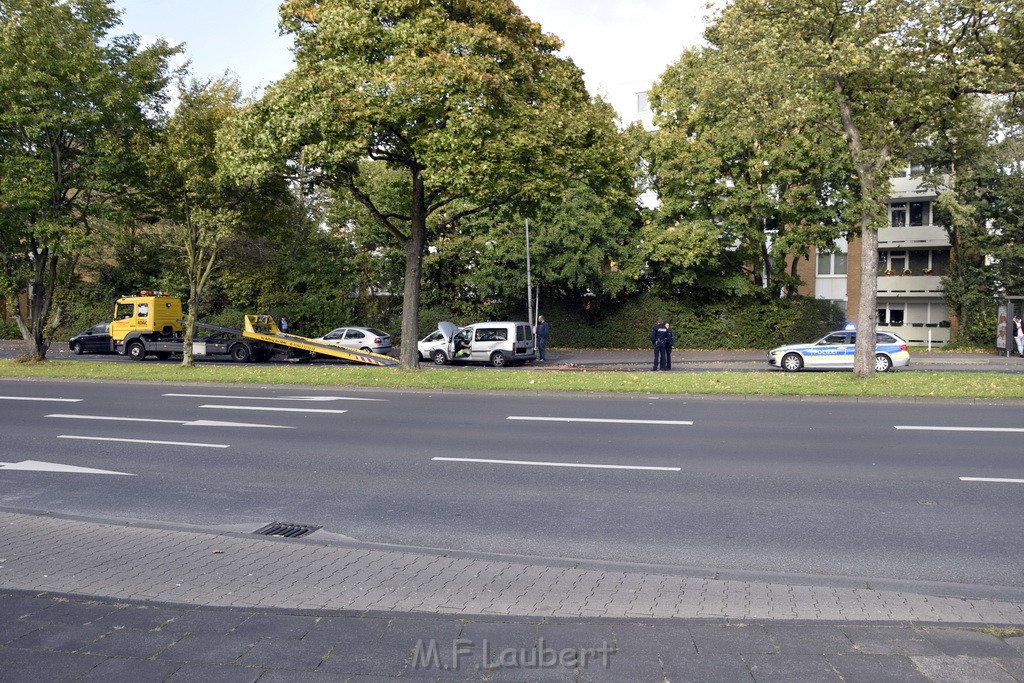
[909,187]
[913,237]
[906,286]
[919,334]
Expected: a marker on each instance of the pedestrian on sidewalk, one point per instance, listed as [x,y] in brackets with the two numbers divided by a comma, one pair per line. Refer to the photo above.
[659,338]
[1018,335]
[542,338]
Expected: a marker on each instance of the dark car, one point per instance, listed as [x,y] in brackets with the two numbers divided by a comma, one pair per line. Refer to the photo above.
[96,339]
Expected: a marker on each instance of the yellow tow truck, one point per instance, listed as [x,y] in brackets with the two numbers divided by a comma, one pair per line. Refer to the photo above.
[150,324]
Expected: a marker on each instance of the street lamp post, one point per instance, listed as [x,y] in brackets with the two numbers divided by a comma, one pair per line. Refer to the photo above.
[529,283]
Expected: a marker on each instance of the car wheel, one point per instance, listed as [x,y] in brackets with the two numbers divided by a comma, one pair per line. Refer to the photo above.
[366,349]
[792,362]
[882,363]
[77,348]
[136,351]
[498,359]
[240,353]
[439,357]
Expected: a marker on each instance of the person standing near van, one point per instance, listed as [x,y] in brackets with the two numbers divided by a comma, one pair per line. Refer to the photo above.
[659,338]
[542,338]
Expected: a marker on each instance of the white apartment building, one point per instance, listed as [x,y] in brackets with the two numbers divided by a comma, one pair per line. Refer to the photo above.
[913,255]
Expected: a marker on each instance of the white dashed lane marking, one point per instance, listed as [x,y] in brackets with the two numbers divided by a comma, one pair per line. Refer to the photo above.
[536,463]
[599,420]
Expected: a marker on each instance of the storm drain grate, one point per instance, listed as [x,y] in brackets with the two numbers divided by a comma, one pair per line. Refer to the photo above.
[286,530]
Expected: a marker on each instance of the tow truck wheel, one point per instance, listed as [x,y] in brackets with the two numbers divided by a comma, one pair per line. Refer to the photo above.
[439,358]
[240,353]
[792,362]
[498,359]
[136,351]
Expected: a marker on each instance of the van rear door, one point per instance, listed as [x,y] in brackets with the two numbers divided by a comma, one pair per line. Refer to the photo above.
[524,339]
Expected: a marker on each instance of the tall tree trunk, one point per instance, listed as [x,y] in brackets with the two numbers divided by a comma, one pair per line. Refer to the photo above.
[867,170]
[864,353]
[414,246]
[44,279]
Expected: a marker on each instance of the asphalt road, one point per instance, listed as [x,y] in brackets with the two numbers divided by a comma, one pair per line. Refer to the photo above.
[840,489]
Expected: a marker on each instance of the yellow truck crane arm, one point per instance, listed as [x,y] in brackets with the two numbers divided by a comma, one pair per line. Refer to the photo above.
[264,328]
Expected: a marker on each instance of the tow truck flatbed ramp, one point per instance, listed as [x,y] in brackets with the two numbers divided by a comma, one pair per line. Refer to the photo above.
[264,328]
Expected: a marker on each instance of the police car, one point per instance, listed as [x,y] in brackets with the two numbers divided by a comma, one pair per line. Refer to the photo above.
[835,351]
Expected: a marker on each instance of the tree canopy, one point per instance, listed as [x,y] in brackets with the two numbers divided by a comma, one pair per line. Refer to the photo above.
[467,98]
[874,73]
[75,106]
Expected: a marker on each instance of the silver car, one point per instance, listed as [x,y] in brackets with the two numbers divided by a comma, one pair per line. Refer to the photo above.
[361,338]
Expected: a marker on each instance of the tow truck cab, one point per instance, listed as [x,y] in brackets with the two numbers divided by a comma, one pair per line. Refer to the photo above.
[149,312]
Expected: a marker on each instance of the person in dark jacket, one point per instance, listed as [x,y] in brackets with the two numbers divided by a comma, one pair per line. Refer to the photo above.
[670,341]
[542,338]
[659,338]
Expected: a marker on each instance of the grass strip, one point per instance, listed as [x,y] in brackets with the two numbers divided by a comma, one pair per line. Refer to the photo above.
[955,385]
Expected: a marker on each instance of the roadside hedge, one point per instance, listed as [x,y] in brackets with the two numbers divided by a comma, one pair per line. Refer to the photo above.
[740,324]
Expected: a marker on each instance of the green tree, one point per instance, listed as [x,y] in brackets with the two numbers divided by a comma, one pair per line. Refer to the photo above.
[206,206]
[466,98]
[979,174]
[743,186]
[874,73]
[75,104]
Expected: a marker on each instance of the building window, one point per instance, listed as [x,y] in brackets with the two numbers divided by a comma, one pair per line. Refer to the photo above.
[892,262]
[643,105]
[891,315]
[919,261]
[898,215]
[920,213]
[832,264]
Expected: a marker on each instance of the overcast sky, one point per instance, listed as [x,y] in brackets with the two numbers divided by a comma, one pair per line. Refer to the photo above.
[621,45]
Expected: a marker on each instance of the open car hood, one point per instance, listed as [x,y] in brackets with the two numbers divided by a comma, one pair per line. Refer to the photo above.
[447,329]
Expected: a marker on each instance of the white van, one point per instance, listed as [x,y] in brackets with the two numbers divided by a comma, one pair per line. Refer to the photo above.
[497,343]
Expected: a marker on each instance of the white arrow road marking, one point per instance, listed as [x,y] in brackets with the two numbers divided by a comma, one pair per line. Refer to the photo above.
[193,423]
[993,480]
[278,398]
[163,443]
[279,410]
[927,428]
[33,398]
[37,466]
[560,464]
[596,419]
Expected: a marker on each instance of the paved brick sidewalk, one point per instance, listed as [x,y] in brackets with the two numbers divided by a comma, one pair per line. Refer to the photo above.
[82,600]
[47,553]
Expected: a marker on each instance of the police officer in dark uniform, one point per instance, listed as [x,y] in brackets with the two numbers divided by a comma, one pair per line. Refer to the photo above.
[660,336]
[670,341]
